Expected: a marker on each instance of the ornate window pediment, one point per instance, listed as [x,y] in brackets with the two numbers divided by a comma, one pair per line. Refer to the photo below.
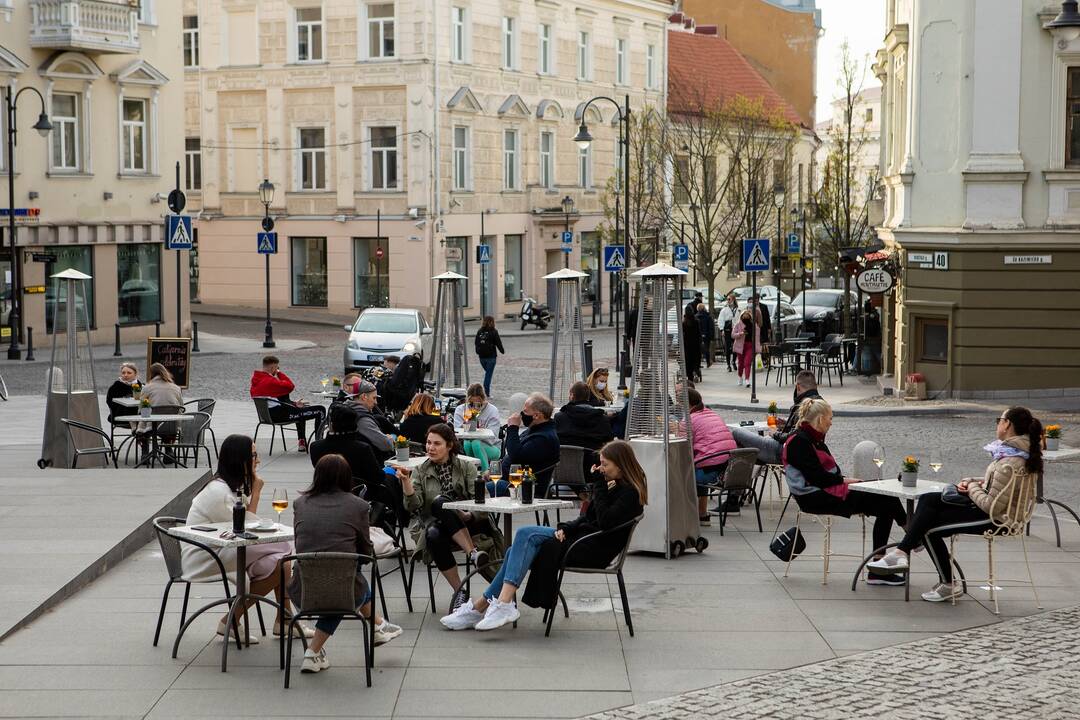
[514,105]
[71,66]
[549,110]
[140,72]
[595,116]
[10,64]
[464,100]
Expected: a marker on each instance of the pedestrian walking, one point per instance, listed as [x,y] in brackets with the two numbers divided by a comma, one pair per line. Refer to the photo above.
[746,342]
[692,344]
[488,346]
[708,330]
[726,321]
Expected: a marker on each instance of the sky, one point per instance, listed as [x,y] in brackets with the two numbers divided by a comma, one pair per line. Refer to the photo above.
[862,23]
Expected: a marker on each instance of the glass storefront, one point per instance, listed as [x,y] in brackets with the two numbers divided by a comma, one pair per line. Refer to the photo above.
[512,268]
[308,256]
[5,297]
[138,283]
[457,260]
[590,265]
[371,276]
[77,257]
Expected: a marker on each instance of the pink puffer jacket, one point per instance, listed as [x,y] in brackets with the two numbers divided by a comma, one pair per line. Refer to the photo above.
[712,438]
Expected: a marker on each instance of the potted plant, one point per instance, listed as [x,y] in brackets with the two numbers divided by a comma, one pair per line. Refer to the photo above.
[336,382]
[1053,437]
[144,407]
[136,390]
[773,410]
[401,447]
[909,471]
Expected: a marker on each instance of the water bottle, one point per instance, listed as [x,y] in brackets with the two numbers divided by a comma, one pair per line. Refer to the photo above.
[479,491]
[239,515]
[527,486]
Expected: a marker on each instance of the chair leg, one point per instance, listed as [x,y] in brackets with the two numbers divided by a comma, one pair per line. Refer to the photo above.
[382,595]
[551,615]
[431,587]
[565,609]
[1031,578]
[288,652]
[213,439]
[368,651]
[625,603]
[273,436]
[791,556]
[183,610]
[757,508]
[161,612]
[990,561]
[404,580]
[952,559]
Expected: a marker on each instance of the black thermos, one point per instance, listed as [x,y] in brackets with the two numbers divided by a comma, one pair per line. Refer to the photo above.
[479,491]
[527,492]
[239,515]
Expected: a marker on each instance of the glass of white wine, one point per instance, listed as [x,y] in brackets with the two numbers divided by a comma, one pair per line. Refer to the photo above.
[516,476]
[280,502]
[936,461]
[879,457]
[494,476]
[324,382]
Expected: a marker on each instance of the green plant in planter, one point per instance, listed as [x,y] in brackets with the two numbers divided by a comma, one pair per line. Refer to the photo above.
[773,409]
[1053,432]
[910,464]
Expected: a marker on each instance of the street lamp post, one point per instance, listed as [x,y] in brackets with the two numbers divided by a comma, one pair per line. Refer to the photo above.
[43,126]
[266,195]
[583,140]
[778,200]
[567,208]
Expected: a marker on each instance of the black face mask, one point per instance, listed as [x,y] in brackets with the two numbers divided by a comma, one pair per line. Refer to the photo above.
[526,419]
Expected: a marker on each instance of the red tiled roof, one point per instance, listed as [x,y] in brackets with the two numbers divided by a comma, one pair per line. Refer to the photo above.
[708,69]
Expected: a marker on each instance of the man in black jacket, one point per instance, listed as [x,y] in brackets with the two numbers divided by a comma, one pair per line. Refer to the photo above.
[537,446]
[579,423]
[769,447]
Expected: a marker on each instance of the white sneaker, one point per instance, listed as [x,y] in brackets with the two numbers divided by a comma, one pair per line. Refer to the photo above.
[301,628]
[498,614]
[386,632]
[889,563]
[252,640]
[314,662]
[464,617]
[943,592]
[738,381]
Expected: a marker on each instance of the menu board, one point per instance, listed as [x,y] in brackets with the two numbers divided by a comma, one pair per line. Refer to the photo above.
[174,354]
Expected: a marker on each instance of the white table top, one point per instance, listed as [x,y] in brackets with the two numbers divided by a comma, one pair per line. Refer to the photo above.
[130,402]
[415,462]
[893,488]
[758,425]
[1062,453]
[326,393]
[214,539]
[509,506]
[480,434]
[155,418]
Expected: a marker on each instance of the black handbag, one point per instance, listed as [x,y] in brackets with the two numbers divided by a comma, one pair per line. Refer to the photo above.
[788,545]
[952,496]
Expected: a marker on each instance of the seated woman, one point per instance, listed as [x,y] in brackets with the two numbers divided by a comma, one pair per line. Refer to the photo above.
[419,417]
[599,392]
[160,390]
[123,387]
[713,444]
[327,517]
[236,476]
[618,498]
[445,477]
[1017,450]
[487,418]
[820,488]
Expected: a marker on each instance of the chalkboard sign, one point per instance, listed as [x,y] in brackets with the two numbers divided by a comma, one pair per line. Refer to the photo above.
[174,354]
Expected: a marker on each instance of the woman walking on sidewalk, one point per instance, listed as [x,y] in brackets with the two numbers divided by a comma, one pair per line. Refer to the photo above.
[488,345]
[746,341]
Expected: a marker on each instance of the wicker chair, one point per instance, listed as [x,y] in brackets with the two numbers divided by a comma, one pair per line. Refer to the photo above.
[737,481]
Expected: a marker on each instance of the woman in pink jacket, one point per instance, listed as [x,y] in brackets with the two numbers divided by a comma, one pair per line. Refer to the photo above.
[713,443]
[745,351]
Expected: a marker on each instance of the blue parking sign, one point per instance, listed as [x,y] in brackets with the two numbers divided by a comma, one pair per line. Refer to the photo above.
[681,256]
[794,245]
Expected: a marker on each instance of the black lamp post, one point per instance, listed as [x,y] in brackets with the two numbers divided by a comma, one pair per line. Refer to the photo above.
[583,140]
[266,196]
[568,209]
[43,126]
[778,199]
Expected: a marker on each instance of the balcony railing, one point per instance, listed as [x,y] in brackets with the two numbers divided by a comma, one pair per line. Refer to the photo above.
[96,25]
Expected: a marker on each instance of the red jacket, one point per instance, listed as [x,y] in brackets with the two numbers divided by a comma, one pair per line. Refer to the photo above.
[263,384]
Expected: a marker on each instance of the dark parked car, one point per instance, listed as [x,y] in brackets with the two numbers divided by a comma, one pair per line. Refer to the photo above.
[823,310]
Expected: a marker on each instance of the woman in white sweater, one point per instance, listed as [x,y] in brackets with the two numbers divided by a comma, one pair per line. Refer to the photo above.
[214,504]
[487,417]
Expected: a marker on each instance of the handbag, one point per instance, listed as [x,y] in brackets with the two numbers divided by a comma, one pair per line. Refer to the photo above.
[788,545]
[952,496]
[381,543]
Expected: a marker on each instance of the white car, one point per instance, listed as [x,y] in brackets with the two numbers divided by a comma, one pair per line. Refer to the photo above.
[379,332]
[767,292]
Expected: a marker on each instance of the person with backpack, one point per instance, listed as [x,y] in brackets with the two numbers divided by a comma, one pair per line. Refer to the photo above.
[488,345]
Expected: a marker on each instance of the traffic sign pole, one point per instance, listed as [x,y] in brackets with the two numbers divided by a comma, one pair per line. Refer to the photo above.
[177,201]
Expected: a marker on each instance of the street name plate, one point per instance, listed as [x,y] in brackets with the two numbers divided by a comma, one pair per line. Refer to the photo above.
[1029,259]
[921,257]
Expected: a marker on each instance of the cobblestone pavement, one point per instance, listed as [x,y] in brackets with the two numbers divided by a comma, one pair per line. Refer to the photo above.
[1018,669]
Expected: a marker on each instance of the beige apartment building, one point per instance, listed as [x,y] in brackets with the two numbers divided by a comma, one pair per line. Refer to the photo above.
[110,74]
[397,134]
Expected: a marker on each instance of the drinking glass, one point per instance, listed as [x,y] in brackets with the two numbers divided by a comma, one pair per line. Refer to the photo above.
[515,479]
[936,461]
[879,457]
[280,502]
[324,382]
[495,475]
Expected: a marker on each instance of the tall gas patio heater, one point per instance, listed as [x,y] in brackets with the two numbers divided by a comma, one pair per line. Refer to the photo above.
[567,339]
[449,364]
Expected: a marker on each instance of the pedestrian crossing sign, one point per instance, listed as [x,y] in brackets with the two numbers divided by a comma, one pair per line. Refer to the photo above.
[178,232]
[755,254]
[614,258]
[267,243]
[483,254]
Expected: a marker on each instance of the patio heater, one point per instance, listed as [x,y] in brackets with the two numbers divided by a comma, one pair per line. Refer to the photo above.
[567,340]
[71,391]
[449,365]
[658,425]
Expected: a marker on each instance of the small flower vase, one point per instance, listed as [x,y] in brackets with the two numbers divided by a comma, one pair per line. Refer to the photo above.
[909,479]
[402,454]
[470,426]
[144,412]
[1053,443]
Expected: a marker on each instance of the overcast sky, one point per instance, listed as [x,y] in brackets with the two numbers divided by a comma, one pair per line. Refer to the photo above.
[862,23]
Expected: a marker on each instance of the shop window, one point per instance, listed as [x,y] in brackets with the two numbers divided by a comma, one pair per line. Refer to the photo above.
[138,283]
[512,245]
[371,275]
[69,257]
[932,339]
[308,256]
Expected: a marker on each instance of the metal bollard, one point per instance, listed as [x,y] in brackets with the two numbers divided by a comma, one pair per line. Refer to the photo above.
[194,336]
[29,343]
[586,361]
[157,329]
[116,345]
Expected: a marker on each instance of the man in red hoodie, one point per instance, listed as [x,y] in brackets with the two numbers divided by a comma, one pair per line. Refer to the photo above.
[270,382]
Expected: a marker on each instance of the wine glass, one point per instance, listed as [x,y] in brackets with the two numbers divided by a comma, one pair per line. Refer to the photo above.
[324,382]
[280,502]
[515,479]
[879,457]
[936,461]
[494,475]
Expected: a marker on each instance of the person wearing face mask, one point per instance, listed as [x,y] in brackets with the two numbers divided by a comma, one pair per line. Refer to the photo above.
[769,446]
[599,394]
[123,387]
[536,446]
[487,418]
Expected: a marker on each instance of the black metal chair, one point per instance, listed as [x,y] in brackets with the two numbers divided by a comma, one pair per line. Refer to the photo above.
[467,584]
[831,358]
[192,438]
[207,406]
[737,481]
[327,587]
[170,551]
[262,411]
[382,515]
[615,567]
[75,428]
[783,362]
[569,479]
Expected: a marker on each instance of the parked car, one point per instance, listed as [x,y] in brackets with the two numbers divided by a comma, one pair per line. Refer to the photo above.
[379,332]
[688,295]
[823,310]
[767,292]
[790,318]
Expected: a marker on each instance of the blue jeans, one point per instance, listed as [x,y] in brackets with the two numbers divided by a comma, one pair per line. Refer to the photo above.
[329,623]
[519,557]
[489,370]
[705,477]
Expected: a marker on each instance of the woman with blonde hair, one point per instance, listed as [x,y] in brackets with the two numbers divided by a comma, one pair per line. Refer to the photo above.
[599,391]
[419,417]
[487,417]
[160,388]
[124,387]
[820,488]
[620,496]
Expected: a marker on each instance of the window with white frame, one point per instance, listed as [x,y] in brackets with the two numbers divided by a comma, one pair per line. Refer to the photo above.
[145,11]
[461,158]
[547,159]
[382,148]
[585,167]
[133,134]
[193,163]
[510,160]
[65,132]
[650,67]
[309,34]
[380,30]
[458,33]
[621,61]
[583,52]
[509,43]
[543,50]
[312,159]
[191,41]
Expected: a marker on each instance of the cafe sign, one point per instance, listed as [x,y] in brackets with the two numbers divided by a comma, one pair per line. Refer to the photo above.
[875,280]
